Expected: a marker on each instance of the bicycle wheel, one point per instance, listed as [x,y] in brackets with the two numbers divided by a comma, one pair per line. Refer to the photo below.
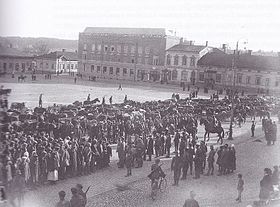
[163,185]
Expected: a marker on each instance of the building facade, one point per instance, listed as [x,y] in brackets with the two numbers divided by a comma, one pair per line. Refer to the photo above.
[181,63]
[57,62]
[248,72]
[15,61]
[123,53]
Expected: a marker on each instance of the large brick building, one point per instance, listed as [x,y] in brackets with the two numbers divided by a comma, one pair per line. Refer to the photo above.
[123,53]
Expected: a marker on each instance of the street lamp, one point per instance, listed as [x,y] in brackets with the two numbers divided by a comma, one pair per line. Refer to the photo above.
[233,93]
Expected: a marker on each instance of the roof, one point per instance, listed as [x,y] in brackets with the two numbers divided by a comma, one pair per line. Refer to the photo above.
[255,62]
[128,31]
[58,54]
[13,52]
[187,48]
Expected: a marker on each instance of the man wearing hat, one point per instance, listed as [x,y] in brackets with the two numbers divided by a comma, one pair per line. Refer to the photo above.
[176,166]
[77,200]
[62,202]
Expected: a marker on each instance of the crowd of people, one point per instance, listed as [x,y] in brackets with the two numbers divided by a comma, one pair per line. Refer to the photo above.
[45,145]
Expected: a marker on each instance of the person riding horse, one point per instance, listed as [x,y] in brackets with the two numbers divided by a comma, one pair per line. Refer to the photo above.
[211,127]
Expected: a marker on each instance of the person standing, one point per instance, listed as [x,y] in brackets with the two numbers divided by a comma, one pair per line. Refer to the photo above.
[176,140]
[191,202]
[62,202]
[75,80]
[40,101]
[240,187]
[128,162]
[266,185]
[211,160]
[253,126]
[168,145]
[76,200]
[111,99]
[150,148]
[176,166]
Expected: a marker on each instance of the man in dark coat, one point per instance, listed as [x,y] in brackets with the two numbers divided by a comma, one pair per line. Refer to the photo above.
[266,185]
[211,160]
[198,162]
[176,141]
[176,166]
[191,202]
[168,145]
[150,147]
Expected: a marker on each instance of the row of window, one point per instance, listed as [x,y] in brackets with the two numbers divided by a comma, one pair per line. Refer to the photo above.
[15,66]
[110,70]
[176,60]
[68,66]
[46,65]
[146,61]
[95,47]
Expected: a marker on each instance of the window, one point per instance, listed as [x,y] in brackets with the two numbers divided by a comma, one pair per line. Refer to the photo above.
[147,50]
[112,48]
[104,69]
[93,47]
[105,48]
[218,78]
[72,66]
[201,76]
[125,48]
[16,66]
[10,65]
[239,78]
[99,47]
[184,60]
[140,50]
[92,68]
[53,66]
[277,83]
[47,65]
[119,48]
[174,74]
[131,72]
[168,60]
[68,66]
[176,60]
[248,80]
[258,80]
[98,69]
[76,66]
[267,82]
[117,71]
[111,70]
[124,71]
[63,66]
[23,66]
[132,49]
[85,46]
[184,75]
[155,60]
[192,63]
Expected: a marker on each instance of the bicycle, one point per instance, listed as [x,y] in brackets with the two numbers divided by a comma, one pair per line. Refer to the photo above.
[159,185]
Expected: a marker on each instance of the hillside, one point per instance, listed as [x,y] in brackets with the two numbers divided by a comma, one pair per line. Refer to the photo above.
[38,45]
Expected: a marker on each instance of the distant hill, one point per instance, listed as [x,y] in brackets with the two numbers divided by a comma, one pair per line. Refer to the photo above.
[38,45]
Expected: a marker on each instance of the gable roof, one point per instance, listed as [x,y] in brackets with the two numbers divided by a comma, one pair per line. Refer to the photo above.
[187,48]
[254,62]
[13,52]
[128,31]
[57,54]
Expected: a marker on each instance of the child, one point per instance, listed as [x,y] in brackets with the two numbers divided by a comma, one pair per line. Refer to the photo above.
[240,187]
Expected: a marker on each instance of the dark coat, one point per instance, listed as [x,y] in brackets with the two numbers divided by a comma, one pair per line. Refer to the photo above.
[150,147]
[266,187]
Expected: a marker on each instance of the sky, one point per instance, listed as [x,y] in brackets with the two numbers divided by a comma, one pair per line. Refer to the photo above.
[256,22]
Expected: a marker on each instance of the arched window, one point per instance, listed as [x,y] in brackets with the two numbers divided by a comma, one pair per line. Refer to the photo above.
[184,60]
[174,75]
[168,60]
[176,60]
[192,63]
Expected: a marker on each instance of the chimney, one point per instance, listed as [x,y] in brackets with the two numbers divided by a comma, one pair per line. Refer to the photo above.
[249,52]
[181,40]
[63,50]
[224,48]
[206,44]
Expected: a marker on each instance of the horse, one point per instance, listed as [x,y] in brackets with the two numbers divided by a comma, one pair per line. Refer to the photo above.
[21,78]
[209,128]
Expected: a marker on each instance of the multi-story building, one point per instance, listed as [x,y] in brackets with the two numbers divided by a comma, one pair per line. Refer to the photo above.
[242,71]
[57,62]
[15,61]
[181,62]
[123,53]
